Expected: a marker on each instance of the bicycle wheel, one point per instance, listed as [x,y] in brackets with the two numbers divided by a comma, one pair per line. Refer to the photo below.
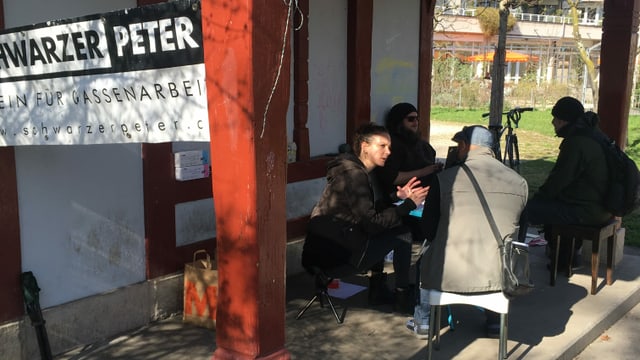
[505,155]
[509,152]
[516,154]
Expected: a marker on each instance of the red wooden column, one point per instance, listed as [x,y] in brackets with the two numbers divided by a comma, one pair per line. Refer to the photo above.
[11,303]
[246,46]
[619,41]
[359,32]
[301,81]
[425,62]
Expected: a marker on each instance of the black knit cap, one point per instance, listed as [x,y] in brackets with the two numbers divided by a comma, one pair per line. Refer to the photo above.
[568,109]
[397,113]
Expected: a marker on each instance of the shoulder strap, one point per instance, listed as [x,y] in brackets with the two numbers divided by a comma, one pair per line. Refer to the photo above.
[485,205]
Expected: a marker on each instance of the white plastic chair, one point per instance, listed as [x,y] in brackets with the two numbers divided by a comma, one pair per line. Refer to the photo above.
[496,302]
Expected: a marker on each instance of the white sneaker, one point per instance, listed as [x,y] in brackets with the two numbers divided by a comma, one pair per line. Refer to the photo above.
[420,331]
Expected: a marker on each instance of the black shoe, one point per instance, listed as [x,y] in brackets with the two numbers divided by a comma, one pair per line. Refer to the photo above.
[379,292]
[405,301]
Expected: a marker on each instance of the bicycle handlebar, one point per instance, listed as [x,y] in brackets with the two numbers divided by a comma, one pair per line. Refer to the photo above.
[518,110]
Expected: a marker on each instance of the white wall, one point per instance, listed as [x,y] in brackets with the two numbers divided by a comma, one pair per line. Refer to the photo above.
[81,218]
[327,75]
[394,66]
[394,60]
[394,78]
[81,207]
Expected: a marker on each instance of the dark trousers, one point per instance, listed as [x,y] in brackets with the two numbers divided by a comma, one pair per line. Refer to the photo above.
[397,239]
[547,213]
[414,223]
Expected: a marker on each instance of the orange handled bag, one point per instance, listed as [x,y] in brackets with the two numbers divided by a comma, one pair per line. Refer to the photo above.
[200,291]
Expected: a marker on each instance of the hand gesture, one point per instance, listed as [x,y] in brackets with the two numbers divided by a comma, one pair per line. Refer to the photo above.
[412,190]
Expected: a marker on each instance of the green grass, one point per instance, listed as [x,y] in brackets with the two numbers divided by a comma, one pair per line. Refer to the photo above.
[539,148]
[538,121]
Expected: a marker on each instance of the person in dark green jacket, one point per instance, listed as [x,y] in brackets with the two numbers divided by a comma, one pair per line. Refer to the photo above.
[574,190]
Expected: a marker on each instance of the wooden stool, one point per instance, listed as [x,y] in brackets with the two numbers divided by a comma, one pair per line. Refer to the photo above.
[595,234]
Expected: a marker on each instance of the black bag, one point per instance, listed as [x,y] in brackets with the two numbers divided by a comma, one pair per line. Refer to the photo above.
[623,192]
[332,241]
[514,255]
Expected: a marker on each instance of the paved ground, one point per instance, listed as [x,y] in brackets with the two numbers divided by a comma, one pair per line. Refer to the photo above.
[551,323]
[618,342]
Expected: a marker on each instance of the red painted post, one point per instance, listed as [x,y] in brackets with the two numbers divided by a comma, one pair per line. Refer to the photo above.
[246,53]
[359,32]
[11,302]
[619,41]
[425,62]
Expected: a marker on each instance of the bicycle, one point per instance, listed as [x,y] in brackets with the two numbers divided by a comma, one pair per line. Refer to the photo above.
[512,152]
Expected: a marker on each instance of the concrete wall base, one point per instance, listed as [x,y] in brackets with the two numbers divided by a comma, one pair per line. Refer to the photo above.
[95,318]
[98,318]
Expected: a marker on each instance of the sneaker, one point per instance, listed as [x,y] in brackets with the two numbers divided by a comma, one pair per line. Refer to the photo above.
[420,331]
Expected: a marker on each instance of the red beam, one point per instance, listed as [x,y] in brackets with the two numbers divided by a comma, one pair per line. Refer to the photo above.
[359,30]
[243,52]
[11,306]
[619,41]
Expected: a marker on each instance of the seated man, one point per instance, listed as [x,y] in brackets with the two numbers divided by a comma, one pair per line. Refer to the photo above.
[346,224]
[463,256]
[573,192]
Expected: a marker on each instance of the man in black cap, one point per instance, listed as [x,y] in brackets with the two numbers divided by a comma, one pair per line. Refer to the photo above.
[573,192]
[463,256]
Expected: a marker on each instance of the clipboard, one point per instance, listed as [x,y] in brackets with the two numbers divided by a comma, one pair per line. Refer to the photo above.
[452,157]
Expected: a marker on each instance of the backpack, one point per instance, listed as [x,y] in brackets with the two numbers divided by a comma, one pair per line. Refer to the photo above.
[623,192]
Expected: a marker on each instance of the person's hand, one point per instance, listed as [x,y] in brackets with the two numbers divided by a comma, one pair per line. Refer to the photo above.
[412,190]
[418,194]
[403,192]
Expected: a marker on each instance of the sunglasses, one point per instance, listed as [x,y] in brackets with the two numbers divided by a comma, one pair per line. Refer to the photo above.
[412,118]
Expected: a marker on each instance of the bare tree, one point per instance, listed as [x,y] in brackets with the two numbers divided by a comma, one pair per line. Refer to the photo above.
[489,21]
[497,83]
[584,54]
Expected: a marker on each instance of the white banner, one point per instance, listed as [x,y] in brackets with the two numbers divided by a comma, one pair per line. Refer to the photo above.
[124,77]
